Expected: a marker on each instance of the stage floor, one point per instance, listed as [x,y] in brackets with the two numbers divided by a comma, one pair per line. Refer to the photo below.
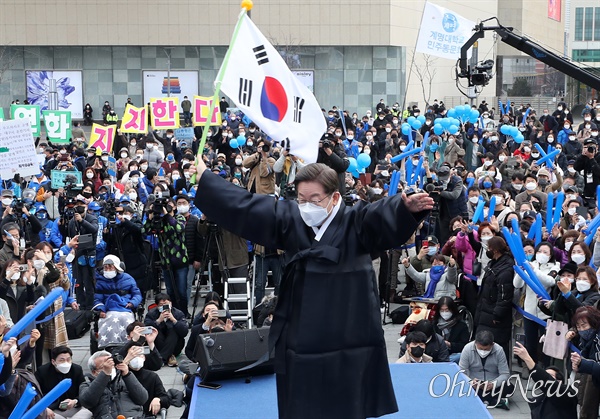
[422,391]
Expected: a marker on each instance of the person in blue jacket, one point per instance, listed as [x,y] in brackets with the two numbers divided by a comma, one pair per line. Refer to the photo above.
[115,289]
[42,214]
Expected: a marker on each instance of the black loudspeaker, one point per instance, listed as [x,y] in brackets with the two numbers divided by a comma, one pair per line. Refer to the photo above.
[220,354]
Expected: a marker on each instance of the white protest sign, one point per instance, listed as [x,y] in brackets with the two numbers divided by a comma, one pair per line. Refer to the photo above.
[17,149]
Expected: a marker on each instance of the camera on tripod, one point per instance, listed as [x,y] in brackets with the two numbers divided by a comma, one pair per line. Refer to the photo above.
[110,210]
[434,190]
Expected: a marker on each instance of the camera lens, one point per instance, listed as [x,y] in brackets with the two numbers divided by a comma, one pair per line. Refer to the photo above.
[265,148]
[591,149]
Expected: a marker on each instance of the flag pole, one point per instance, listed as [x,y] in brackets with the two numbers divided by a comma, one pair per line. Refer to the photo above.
[246,6]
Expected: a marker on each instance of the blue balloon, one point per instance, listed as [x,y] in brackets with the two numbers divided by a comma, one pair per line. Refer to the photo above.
[353,166]
[474,114]
[451,113]
[363,160]
[446,123]
[504,129]
[421,118]
[438,121]
[514,131]
[241,140]
[452,129]
[417,124]
[519,138]
[233,143]
[438,129]
[406,128]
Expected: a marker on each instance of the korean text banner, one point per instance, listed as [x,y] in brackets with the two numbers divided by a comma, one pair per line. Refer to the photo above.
[135,120]
[102,137]
[30,112]
[443,32]
[202,105]
[17,149]
[259,82]
[58,126]
[164,112]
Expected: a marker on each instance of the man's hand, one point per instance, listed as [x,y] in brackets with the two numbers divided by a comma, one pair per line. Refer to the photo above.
[162,317]
[197,265]
[418,202]
[228,325]
[171,317]
[570,335]
[108,365]
[102,315]
[15,359]
[70,403]
[155,406]
[35,335]
[452,262]
[151,337]
[423,252]
[77,217]
[123,367]
[133,352]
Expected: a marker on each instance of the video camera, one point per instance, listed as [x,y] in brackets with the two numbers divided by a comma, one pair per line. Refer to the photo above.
[110,210]
[326,141]
[434,190]
[70,186]
[482,73]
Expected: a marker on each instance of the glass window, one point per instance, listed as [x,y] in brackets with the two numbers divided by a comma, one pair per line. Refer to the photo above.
[579,24]
[589,23]
[597,25]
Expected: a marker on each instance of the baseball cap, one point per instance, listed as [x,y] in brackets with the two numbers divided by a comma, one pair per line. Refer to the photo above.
[113,260]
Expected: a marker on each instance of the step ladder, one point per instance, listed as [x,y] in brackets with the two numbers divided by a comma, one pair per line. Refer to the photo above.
[238,315]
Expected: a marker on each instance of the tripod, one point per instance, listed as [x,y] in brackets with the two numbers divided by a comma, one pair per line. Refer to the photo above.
[214,235]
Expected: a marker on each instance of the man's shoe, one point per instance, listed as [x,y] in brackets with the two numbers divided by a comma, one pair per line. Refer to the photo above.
[172,362]
[503,404]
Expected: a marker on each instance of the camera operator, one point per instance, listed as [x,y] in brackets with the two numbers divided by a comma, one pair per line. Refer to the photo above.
[287,164]
[448,192]
[85,226]
[170,231]
[126,241]
[262,176]
[332,154]
[17,211]
[589,163]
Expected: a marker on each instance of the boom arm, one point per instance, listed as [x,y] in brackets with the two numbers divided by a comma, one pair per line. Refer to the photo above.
[533,50]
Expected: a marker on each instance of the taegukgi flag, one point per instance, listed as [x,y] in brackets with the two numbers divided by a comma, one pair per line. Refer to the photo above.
[259,82]
[443,32]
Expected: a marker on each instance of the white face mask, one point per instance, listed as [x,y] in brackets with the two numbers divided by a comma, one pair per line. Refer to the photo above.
[350,137]
[502,157]
[132,195]
[70,257]
[313,215]
[483,353]
[238,162]
[486,239]
[526,149]
[530,186]
[150,146]
[110,274]
[89,175]
[63,367]
[542,258]
[183,209]
[144,167]
[377,191]
[137,363]
[123,155]
[583,286]
[487,163]
[6,202]
[517,186]
[38,264]
[15,276]
[474,200]
[249,143]
[127,217]
[445,315]
[402,147]
[578,258]
[572,211]
[175,178]
[550,139]
[568,245]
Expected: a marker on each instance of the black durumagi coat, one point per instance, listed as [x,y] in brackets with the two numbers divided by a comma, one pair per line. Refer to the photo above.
[330,353]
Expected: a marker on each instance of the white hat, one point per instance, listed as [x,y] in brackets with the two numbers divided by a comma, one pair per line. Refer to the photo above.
[113,260]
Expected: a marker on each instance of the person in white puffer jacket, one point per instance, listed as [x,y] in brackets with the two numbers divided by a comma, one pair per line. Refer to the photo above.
[546,268]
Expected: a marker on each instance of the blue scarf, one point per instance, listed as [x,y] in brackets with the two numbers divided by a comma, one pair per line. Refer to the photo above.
[435,273]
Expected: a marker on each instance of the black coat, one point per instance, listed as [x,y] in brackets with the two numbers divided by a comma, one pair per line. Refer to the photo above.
[130,248]
[458,336]
[154,386]
[562,404]
[328,293]
[494,308]
[49,377]
[436,348]
[17,303]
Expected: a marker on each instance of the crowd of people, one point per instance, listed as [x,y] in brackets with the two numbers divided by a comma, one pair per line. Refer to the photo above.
[109,240]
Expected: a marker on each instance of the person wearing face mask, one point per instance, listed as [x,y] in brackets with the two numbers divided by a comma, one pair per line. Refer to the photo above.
[544,180]
[588,163]
[453,151]
[288,165]
[440,281]
[494,308]
[572,148]
[545,267]
[262,176]
[424,258]
[484,362]
[415,353]
[158,397]
[112,387]
[531,190]
[16,290]
[319,215]
[152,154]
[448,323]
[473,152]
[60,367]
[116,298]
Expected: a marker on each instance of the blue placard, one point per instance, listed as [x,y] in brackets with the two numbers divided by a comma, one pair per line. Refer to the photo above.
[59,176]
[184,133]
[111,166]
